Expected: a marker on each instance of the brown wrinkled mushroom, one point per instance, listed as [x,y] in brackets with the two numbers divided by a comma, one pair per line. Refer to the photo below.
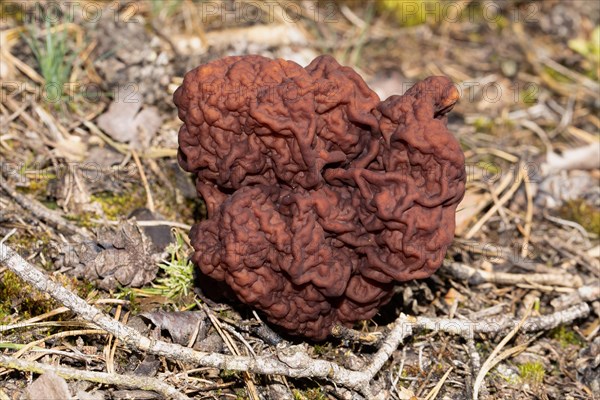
[320,197]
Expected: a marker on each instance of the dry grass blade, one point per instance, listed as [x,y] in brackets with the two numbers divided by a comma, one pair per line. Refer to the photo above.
[528,218]
[111,347]
[59,335]
[34,321]
[145,223]
[505,197]
[229,342]
[149,199]
[494,359]
[436,389]
[8,38]
[45,324]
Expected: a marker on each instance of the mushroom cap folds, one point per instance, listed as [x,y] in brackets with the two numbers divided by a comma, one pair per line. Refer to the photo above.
[320,197]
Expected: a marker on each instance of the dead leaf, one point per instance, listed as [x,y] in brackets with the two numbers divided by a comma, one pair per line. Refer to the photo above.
[160,235]
[180,325]
[148,367]
[98,395]
[103,157]
[124,122]
[49,386]
[588,366]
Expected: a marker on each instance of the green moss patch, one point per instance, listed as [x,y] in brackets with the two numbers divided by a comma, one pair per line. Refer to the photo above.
[117,205]
[583,213]
[532,373]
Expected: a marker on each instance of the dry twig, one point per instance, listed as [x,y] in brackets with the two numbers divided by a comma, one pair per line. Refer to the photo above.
[476,276]
[289,361]
[41,212]
[132,381]
[292,361]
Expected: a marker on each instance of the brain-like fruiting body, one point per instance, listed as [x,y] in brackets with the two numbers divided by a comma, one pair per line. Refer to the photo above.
[320,197]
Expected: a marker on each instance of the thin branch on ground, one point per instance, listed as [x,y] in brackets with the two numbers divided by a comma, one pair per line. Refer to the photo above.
[467,328]
[584,293]
[475,365]
[39,211]
[144,223]
[368,338]
[476,276]
[292,361]
[131,381]
[289,361]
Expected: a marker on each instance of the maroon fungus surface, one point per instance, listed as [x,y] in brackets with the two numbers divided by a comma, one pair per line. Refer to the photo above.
[320,196]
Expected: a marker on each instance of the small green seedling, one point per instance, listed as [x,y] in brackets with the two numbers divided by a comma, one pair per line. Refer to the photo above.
[54,58]
[179,272]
